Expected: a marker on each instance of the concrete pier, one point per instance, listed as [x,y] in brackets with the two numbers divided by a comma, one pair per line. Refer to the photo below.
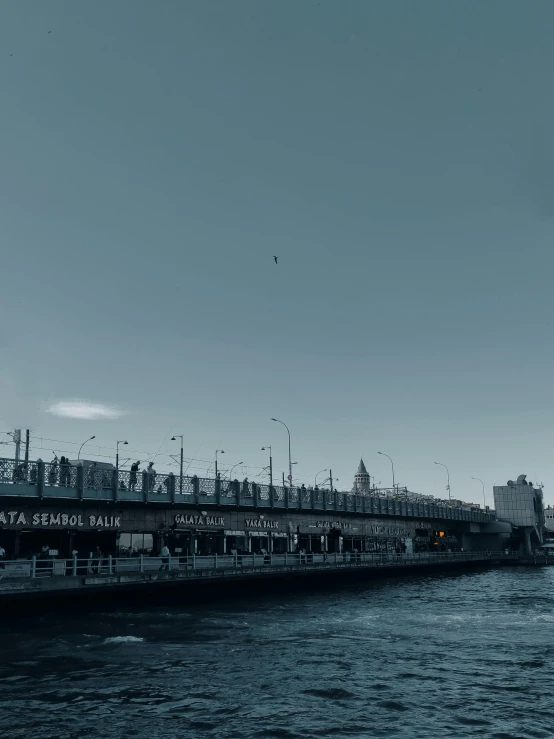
[33,581]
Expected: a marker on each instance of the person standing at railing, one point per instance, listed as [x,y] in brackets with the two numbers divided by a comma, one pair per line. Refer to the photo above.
[34,472]
[151,472]
[2,557]
[92,475]
[53,474]
[97,561]
[165,558]
[133,477]
[64,476]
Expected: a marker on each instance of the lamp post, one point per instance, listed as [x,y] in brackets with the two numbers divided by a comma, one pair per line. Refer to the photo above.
[392,464]
[483,485]
[448,477]
[319,473]
[290,463]
[220,451]
[270,466]
[174,438]
[82,445]
[232,468]
[117,453]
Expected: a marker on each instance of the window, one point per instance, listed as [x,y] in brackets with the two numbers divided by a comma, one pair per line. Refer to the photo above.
[138,543]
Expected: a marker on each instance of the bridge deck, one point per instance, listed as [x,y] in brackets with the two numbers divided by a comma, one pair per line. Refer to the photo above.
[42,481]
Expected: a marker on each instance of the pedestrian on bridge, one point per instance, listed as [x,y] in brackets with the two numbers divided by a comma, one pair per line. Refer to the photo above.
[133,477]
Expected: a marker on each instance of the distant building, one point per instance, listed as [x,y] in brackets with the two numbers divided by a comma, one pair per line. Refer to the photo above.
[521,504]
[549,520]
[362,480]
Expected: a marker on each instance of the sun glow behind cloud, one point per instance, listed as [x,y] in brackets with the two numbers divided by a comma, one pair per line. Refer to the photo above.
[85,409]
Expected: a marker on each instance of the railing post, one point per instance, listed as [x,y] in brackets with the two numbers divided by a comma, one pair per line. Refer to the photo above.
[74,567]
[196,489]
[271,496]
[115,484]
[218,490]
[171,477]
[312,501]
[145,486]
[287,498]
[336,500]
[236,483]
[33,566]
[80,480]
[40,479]
[299,493]
[324,493]
[255,494]
[216,560]
[193,561]
[285,558]
[141,563]
[110,569]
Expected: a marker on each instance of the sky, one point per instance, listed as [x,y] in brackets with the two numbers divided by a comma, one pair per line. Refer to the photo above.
[395,155]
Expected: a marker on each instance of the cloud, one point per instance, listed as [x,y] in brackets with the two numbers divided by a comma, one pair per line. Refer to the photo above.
[85,410]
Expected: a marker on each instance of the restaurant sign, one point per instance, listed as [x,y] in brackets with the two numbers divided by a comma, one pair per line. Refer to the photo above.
[333,525]
[39,520]
[386,530]
[196,520]
[261,523]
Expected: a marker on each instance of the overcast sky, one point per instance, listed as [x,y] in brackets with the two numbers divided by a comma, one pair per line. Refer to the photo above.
[395,155]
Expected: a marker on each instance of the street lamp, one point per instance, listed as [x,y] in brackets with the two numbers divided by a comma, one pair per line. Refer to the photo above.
[319,473]
[238,464]
[117,452]
[392,463]
[290,463]
[216,452]
[174,438]
[448,477]
[483,484]
[264,448]
[82,445]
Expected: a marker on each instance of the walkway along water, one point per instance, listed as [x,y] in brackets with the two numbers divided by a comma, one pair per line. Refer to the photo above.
[36,577]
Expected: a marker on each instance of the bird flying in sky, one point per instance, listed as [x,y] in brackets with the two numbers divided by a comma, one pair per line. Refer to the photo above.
[275,259]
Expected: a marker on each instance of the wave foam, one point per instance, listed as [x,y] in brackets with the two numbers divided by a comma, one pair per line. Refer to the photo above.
[122,639]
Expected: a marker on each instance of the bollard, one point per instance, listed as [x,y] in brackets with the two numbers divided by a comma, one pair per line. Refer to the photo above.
[34,566]
[74,572]
[110,571]
[193,561]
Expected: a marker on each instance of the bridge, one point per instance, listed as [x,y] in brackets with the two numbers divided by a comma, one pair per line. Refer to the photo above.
[37,480]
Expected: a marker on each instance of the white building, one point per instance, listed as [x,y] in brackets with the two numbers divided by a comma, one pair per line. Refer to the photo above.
[521,504]
[549,519]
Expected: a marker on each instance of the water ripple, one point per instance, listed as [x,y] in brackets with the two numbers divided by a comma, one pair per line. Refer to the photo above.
[462,656]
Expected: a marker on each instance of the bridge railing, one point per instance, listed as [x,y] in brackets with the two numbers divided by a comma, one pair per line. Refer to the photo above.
[38,567]
[96,483]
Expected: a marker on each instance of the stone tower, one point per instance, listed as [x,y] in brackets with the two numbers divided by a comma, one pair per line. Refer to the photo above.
[362,481]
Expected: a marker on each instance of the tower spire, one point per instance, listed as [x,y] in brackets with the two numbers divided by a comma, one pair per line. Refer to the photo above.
[362,480]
